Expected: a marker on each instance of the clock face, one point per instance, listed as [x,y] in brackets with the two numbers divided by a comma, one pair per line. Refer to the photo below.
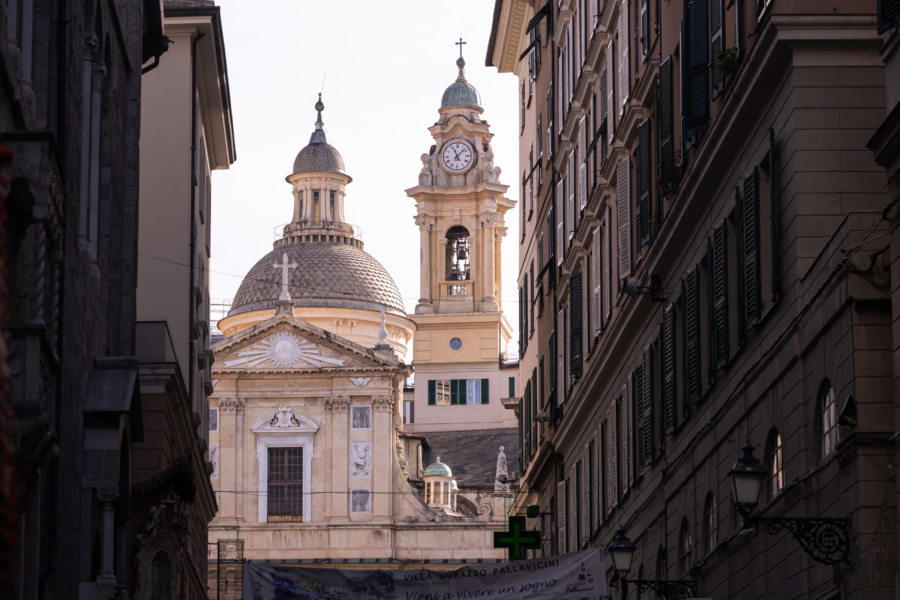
[457,156]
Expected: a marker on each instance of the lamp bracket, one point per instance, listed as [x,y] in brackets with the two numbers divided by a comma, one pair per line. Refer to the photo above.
[826,540]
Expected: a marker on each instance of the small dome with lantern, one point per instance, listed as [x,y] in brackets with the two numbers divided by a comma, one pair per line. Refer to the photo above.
[461,92]
[441,488]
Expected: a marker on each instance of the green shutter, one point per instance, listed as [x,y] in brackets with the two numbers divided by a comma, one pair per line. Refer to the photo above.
[454,391]
[484,391]
[512,387]
[431,386]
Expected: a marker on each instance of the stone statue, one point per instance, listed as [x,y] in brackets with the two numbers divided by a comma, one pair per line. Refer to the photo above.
[501,479]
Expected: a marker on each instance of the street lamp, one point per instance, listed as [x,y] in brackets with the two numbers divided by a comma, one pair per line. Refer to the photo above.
[622,551]
[826,540]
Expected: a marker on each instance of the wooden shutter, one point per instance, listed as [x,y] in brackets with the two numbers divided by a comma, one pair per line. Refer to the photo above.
[691,295]
[774,217]
[738,27]
[716,46]
[750,225]
[575,325]
[623,208]
[888,15]
[647,406]
[596,282]
[584,498]
[643,183]
[613,457]
[485,394]
[668,367]
[645,28]
[560,216]
[582,166]
[666,121]
[624,48]
[431,392]
[454,391]
[571,183]
[720,295]
[604,116]
[571,513]
[560,357]
[694,65]
[561,517]
[527,418]
[611,89]
[607,263]
[637,409]
[628,447]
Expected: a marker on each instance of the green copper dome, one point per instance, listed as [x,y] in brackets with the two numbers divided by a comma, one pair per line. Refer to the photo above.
[438,469]
[461,92]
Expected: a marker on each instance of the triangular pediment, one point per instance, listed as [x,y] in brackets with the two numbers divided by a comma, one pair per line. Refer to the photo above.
[285,343]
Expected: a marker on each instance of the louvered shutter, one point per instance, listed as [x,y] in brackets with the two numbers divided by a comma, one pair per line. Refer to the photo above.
[604,120]
[575,325]
[571,183]
[571,513]
[596,282]
[691,336]
[774,215]
[485,391]
[666,123]
[584,509]
[628,450]
[624,48]
[720,294]
[582,166]
[888,14]
[623,208]
[668,367]
[750,223]
[560,216]
[611,89]
[738,27]
[643,183]
[560,357]
[637,385]
[431,392]
[694,65]
[741,283]
[645,28]
[613,458]
[607,263]
[561,517]
[647,406]
[526,417]
[454,391]
[716,45]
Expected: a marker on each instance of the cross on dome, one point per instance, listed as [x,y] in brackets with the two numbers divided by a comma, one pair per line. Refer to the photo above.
[285,296]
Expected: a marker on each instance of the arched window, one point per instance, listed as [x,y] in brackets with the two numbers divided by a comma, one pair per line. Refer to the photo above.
[161,577]
[828,419]
[457,254]
[710,524]
[685,546]
[774,464]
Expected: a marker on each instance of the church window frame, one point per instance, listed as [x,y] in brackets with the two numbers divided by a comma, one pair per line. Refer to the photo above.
[284,483]
[360,417]
[300,434]
[315,206]
[360,500]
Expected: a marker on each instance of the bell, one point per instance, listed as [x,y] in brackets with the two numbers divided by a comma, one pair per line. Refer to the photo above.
[461,253]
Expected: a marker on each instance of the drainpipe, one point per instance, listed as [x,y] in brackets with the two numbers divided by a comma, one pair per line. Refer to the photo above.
[192,304]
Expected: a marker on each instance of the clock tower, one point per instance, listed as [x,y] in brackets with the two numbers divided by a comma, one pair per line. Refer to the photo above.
[462,334]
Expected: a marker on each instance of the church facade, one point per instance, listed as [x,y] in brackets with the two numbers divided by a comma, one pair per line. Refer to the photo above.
[311,458]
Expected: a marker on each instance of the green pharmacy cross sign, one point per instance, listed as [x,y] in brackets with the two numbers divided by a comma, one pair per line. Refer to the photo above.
[517,540]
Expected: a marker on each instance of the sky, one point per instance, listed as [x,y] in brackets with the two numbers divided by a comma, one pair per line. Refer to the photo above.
[384,66]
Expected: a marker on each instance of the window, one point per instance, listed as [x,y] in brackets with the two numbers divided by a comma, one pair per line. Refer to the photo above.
[623,215]
[575,325]
[642,399]
[360,501]
[694,67]
[457,255]
[644,184]
[331,205]
[161,577]
[409,411]
[685,547]
[669,379]
[710,524]
[361,417]
[458,391]
[691,325]
[774,465]
[316,207]
[828,419]
[285,484]
[284,450]
[455,343]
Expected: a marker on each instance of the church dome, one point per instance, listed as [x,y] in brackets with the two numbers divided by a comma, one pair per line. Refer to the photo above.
[327,274]
[438,469]
[461,92]
[319,155]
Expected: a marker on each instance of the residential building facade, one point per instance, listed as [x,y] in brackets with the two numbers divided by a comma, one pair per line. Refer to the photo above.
[172,496]
[707,264]
[70,125]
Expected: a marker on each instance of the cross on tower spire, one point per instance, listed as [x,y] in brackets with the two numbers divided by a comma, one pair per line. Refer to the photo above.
[460,43]
[285,296]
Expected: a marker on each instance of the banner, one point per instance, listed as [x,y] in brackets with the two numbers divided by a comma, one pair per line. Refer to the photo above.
[552,578]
